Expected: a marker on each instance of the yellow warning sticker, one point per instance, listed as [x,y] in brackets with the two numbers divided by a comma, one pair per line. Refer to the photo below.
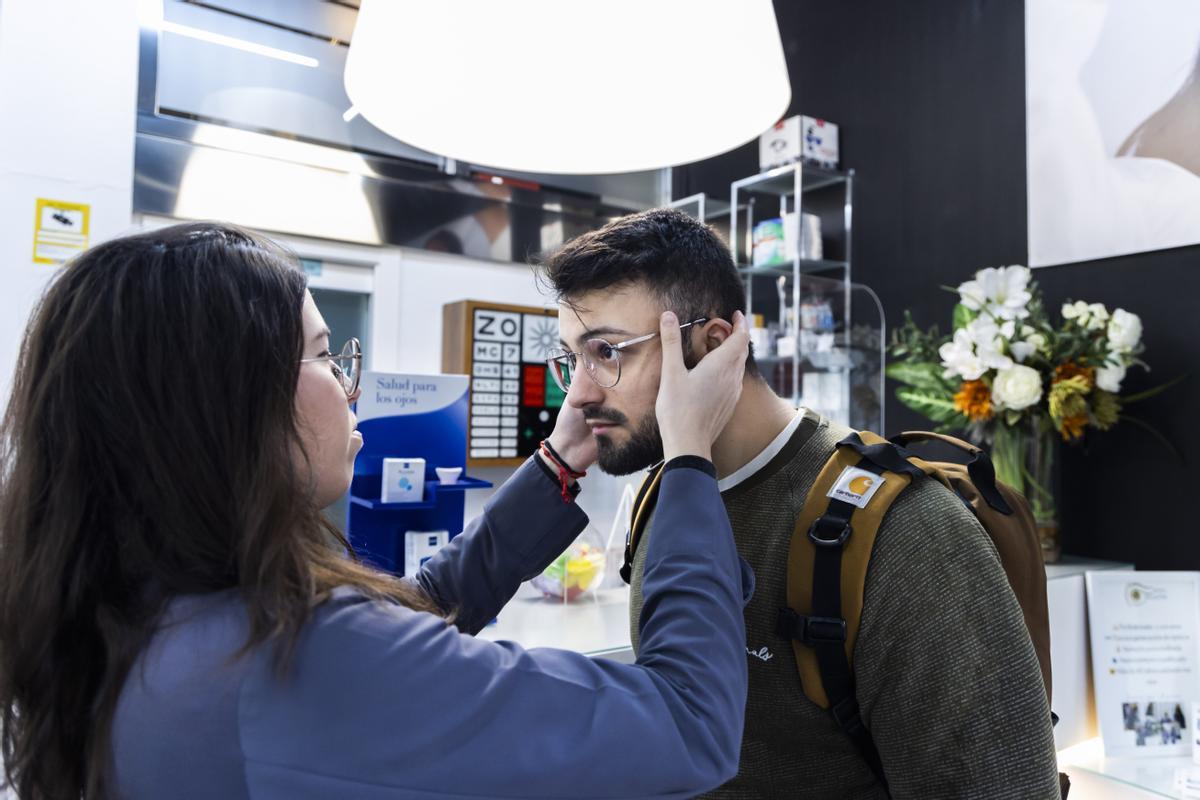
[60,230]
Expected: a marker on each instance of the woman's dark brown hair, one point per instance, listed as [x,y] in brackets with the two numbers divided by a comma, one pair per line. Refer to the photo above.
[147,451]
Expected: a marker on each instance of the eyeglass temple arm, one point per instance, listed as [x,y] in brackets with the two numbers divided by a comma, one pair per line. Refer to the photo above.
[650,336]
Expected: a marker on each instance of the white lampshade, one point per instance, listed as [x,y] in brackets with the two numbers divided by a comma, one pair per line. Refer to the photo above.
[569,86]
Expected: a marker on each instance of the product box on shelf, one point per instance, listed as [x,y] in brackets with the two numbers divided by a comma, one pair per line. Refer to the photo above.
[796,138]
[420,546]
[802,237]
[403,480]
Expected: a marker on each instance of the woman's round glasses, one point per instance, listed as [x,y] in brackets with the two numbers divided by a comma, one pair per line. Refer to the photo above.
[601,359]
[345,365]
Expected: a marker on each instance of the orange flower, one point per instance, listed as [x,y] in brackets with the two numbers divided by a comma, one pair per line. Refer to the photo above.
[974,400]
[1069,369]
[1072,427]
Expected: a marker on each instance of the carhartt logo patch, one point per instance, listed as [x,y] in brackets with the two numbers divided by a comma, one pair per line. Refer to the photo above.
[856,486]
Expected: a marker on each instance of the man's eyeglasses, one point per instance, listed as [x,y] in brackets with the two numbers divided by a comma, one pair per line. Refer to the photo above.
[601,359]
[345,365]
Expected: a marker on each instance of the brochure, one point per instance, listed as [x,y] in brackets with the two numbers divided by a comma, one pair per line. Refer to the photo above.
[1145,659]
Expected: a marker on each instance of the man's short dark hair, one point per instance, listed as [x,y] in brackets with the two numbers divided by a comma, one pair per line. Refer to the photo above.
[679,258]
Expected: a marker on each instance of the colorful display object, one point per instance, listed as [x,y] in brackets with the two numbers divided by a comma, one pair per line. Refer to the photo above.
[514,401]
[577,571]
[413,422]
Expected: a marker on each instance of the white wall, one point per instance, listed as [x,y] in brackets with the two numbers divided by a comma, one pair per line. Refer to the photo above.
[430,280]
[68,86]
[68,82]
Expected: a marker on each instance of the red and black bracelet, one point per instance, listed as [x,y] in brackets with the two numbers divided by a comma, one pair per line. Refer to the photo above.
[565,473]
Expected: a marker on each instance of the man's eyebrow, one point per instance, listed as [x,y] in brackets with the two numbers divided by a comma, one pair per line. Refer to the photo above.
[607,329]
[591,333]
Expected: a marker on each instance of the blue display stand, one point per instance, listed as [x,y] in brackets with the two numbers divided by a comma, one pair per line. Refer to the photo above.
[408,416]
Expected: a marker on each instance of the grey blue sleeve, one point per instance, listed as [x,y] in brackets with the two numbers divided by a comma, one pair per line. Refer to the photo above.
[947,677]
[385,702]
[524,527]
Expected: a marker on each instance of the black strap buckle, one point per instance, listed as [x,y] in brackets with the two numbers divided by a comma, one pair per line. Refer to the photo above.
[809,630]
[847,715]
[829,532]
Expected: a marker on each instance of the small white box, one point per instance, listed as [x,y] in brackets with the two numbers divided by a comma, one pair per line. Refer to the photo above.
[419,547]
[803,241]
[796,138]
[403,480]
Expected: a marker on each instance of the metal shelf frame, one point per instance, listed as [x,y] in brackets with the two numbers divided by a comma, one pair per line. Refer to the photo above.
[789,184]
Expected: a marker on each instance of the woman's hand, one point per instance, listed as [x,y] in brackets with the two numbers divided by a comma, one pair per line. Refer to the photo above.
[694,405]
[573,440]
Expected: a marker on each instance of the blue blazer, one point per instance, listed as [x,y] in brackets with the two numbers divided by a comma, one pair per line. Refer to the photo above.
[384,702]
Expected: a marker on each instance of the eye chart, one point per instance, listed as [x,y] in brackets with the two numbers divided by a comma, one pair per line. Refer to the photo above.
[514,401]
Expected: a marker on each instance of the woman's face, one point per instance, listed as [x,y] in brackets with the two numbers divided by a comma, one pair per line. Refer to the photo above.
[323,411]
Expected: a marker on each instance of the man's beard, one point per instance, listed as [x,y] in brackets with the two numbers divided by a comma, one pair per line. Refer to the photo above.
[644,448]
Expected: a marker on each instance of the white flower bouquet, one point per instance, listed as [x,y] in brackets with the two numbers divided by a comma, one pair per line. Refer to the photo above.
[1008,377]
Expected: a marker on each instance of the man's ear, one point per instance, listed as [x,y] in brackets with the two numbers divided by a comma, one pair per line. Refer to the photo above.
[710,336]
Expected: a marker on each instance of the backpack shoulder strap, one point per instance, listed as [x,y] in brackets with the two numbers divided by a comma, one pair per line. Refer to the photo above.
[643,505]
[828,558]
[822,512]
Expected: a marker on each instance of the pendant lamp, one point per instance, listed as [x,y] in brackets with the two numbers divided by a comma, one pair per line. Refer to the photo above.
[569,86]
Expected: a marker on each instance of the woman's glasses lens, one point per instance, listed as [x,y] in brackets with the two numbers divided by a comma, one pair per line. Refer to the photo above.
[348,362]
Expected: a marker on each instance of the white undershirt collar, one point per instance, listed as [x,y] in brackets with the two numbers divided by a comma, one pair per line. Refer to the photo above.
[759,461]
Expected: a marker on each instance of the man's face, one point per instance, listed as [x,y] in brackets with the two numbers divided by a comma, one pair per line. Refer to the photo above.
[622,416]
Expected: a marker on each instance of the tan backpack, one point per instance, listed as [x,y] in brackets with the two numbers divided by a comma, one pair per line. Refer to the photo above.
[831,549]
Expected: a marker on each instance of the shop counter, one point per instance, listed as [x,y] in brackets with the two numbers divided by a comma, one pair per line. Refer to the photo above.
[597,625]
[1094,777]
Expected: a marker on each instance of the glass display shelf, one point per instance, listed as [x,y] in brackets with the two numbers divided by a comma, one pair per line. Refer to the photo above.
[781,180]
[805,364]
[702,207]
[807,266]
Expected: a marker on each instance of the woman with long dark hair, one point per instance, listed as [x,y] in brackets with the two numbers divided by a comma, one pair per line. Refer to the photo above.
[178,620]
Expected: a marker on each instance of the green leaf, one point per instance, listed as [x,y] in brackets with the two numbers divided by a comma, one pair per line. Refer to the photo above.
[933,404]
[1146,395]
[1150,429]
[962,316]
[1012,418]
[922,375]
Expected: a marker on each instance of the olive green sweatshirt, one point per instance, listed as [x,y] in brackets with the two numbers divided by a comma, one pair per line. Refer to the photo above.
[946,675]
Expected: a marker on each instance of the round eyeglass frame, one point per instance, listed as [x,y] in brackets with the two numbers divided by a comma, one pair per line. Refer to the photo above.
[558,355]
[347,365]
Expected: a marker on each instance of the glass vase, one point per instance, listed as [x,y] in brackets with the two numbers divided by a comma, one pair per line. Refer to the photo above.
[1024,457]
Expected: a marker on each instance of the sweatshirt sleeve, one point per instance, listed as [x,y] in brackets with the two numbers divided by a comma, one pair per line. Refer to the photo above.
[387,702]
[948,681]
[524,527]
